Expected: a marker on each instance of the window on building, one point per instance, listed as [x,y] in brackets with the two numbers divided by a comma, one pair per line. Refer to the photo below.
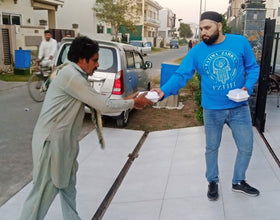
[11,19]
[278,12]
[100,29]
[6,19]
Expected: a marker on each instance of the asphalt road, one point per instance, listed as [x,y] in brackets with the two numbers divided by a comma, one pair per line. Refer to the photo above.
[18,115]
[167,56]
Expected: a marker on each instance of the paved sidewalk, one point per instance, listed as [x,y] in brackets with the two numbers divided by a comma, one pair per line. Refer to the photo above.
[10,85]
[272,125]
[166,181]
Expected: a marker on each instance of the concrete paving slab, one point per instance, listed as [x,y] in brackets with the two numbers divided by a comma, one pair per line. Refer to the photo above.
[167,179]
[271,131]
[97,171]
[183,194]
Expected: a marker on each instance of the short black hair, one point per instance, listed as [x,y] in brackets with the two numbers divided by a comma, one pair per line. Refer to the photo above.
[82,47]
[47,32]
[211,15]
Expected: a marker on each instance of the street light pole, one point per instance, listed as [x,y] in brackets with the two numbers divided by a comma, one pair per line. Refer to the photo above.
[199,19]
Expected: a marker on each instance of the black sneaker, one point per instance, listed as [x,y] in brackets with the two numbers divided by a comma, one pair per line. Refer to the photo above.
[212,193]
[245,188]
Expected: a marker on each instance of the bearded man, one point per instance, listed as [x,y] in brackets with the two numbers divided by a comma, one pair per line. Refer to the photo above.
[225,62]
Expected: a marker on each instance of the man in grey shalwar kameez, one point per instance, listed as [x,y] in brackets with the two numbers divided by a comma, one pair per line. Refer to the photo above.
[55,143]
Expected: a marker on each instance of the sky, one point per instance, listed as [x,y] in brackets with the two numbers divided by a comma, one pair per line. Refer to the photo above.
[189,10]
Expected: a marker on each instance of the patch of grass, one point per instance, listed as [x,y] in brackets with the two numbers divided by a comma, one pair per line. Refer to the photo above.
[157,49]
[14,78]
[199,115]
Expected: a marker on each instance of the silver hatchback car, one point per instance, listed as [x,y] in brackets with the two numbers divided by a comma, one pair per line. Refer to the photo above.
[121,72]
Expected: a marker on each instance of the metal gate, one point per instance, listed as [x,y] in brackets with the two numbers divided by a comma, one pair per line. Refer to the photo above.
[265,71]
[6,47]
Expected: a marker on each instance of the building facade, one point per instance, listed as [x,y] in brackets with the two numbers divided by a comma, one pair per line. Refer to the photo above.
[22,23]
[18,27]
[167,29]
[237,7]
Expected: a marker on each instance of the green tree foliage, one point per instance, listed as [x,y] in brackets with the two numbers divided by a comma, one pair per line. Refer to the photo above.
[185,30]
[117,13]
[226,28]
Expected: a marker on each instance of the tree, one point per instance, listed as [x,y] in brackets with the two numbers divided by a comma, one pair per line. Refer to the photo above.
[117,13]
[185,30]
[226,28]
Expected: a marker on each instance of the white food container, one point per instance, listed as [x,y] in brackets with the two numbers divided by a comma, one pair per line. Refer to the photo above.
[238,95]
[151,95]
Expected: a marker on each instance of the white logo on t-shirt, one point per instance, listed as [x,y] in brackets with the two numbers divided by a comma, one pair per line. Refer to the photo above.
[220,67]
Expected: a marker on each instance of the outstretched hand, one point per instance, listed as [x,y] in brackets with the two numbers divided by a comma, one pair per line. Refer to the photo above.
[141,101]
[132,96]
[159,92]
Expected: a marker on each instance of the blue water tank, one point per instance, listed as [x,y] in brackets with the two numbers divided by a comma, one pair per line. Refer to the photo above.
[167,70]
[22,59]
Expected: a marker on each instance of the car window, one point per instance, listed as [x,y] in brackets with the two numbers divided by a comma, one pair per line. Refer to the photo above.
[107,58]
[148,44]
[63,55]
[129,59]
[139,63]
[137,44]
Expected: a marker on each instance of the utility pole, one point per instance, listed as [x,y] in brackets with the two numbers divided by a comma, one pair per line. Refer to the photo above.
[200,10]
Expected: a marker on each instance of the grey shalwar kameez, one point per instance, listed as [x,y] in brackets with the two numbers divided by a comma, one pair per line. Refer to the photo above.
[55,143]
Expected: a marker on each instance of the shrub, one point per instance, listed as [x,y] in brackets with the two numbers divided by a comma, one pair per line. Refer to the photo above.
[197,98]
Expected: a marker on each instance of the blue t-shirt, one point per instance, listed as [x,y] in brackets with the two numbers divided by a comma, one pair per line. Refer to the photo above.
[225,66]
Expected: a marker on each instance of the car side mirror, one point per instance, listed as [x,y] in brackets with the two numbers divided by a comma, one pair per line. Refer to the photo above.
[148,64]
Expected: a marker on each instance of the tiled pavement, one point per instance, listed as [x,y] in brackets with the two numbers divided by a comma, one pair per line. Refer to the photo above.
[166,181]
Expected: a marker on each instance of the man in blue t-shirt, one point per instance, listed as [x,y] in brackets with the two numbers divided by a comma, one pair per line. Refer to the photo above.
[225,62]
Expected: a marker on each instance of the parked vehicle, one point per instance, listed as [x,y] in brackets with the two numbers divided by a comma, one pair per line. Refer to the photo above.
[144,47]
[174,43]
[121,72]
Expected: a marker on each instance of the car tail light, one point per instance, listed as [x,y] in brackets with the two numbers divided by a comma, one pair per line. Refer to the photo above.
[118,88]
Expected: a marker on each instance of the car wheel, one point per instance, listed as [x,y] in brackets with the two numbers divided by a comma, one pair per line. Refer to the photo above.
[149,87]
[123,119]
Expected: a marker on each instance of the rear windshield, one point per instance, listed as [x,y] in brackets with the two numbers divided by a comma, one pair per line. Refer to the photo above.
[107,58]
[136,43]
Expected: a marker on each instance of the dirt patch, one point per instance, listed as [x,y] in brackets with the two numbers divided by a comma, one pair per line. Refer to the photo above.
[154,119]
[157,119]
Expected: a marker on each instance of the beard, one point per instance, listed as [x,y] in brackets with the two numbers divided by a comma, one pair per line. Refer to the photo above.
[212,39]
